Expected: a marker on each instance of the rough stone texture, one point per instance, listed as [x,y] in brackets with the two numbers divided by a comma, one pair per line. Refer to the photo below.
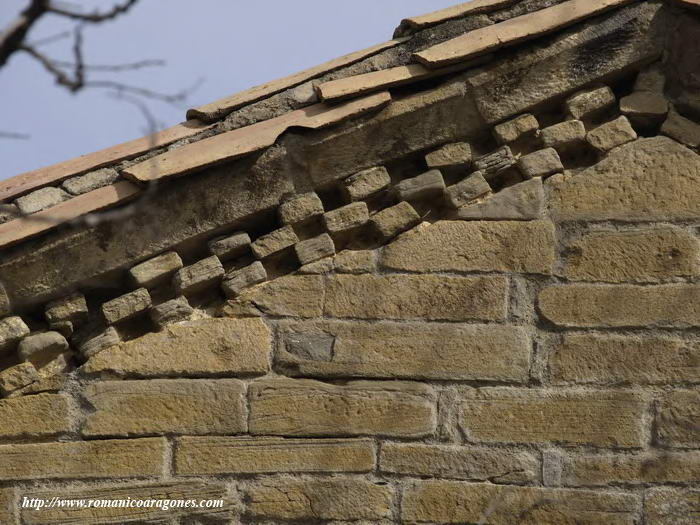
[672,506]
[8,497]
[564,136]
[524,201]
[238,280]
[396,350]
[198,277]
[347,218]
[611,135]
[72,308]
[459,462]
[672,305]
[643,255]
[587,104]
[466,191]
[12,330]
[9,212]
[424,186]
[274,242]
[355,261]
[137,458]
[651,79]
[39,416]
[682,129]
[517,128]
[200,348]
[599,418]
[677,419]
[455,155]
[414,297]
[390,222]
[17,377]
[309,408]
[100,341]
[311,250]
[41,199]
[156,271]
[495,162]
[37,348]
[126,306]
[172,311]
[231,246]
[475,246]
[626,185]
[540,163]
[227,455]
[300,208]
[645,108]
[366,183]
[142,408]
[294,295]
[5,306]
[610,359]
[90,181]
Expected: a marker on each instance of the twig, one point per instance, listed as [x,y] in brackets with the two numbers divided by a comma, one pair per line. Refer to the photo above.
[13,135]
[93,17]
[113,68]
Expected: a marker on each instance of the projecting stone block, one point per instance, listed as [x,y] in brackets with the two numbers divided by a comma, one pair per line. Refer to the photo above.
[38,347]
[645,108]
[156,271]
[677,419]
[611,135]
[366,183]
[72,308]
[300,208]
[42,415]
[12,330]
[469,189]
[16,377]
[100,341]
[198,277]
[671,506]
[41,199]
[681,129]
[238,280]
[564,136]
[455,155]
[423,186]
[347,218]
[90,181]
[390,222]
[496,162]
[523,126]
[523,201]
[274,242]
[172,311]
[126,306]
[540,163]
[311,250]
[231,246]
[591,103]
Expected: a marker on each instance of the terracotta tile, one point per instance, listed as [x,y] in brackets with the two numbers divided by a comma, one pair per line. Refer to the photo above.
[514,30]
[416,23]
[25,182]
[216,110]
[243,141]
[25,227]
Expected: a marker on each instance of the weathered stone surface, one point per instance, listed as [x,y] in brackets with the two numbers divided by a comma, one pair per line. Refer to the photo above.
[526,247]
[682,129]
[100,341]
[311,250]
[199,276]
[611,134]
[455,155]
[459,502]
[459,462]
[58,365]
[310,408]
[300,208]
[416,297]
[17,377]
[231,246]
[12,330]
[424,186]
[523,126]
[172,311]
[303,500]
[522,201]
[672,506]
[318,267]
[672,305]
[156,271]
[52,384]
[471,188]
[366,183]
[294,295]
[90,181]
[126,306]
[648,255]
[72,308]
[142,408]
[355,261]
[651,79]
[41,199]
[540,163]
[563,136]
[346,218]
[8,212]
[207,347]
[130,458]
[495,162]
[43,415]
[274,242]
[5,306]
[227,455]
[589,103]
[644,107]
[626,185]
[390,222]
[238,280]
[603,418]
[611,359]
[398,350]
[8,508]
[39,347]
[677,419]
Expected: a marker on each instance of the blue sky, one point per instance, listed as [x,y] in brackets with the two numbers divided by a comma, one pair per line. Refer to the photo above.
[228,45]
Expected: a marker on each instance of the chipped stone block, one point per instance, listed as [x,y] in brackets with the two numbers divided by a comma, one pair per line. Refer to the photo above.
[523,201]
[651,80]
[199,276]
[238,280]
[304,94]
[366,183]
[590,103]
[455,155]
[17,377]
[72,308]
[60,364]
[645,108]
[515,129]
[326,265]
[311,250]
[300,208]
[681,129]
[231,246]
[156,271]
[495,162]
[423,186]
[41,199]
[392,221]
[172,311]
[355,261]
[611,135]
[12,329]
[126,306]
[274,242]
[8,212]
[564,135]
[37,347]
[90,181]
[346,218]
[540,163]
[466,191]
[99,341]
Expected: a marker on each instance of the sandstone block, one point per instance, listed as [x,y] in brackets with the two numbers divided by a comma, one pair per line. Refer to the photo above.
[302,407]
[141,408]
[347,218]
[8,212]
[645,255]
[231,246]
[17,377]
[156,271]
[599,418]
[8,498]
[131,458]
[564,135]
[355,261]
[90,181]
[677,419]
[522,201]
[611,135]
[672,305]
[390,222]
[603,359]
[469,189]
[517,128]
[300,208]
[495,162]
[172,311]
[40,416]
[540,163]
[681,129]
[651,79]
[366,183]
[238,280]
[672,506]
[199,276]
[424,186]
[416,297]
[293,295]
[12,330]
[38,348]
[126,306]
[459,462]
[311,250]
[526,247]
[5,306]
[320,267]
[100,341]
[228,455]
[58,365]
[41,199]
[205,347]
[645,108]
[455,155]
[590,103]
[72,308]
[274,242]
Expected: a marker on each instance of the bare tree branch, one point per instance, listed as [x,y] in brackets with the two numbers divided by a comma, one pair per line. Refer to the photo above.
[13,135]
[13,36]
[94,17]
[116,68]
